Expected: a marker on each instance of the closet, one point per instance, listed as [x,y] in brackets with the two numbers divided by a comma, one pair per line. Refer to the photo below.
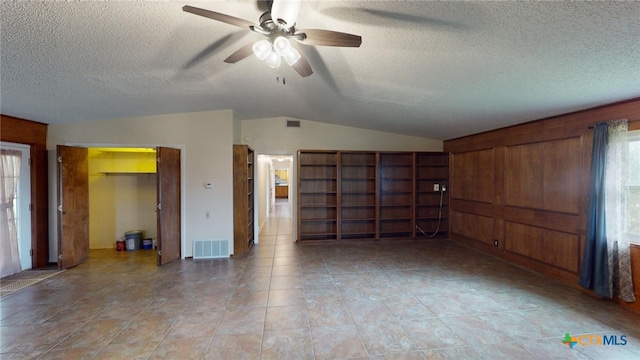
[122,194]
[351,195]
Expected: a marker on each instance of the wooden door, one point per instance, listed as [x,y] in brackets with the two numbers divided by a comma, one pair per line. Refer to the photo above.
[168,211]
[73,206]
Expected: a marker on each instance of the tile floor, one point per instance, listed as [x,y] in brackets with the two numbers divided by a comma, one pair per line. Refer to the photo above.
[405,300]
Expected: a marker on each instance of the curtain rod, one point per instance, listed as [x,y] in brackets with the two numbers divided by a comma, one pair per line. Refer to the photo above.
[594,126]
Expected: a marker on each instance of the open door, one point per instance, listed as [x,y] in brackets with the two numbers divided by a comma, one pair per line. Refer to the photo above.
[168,211]
[73,206]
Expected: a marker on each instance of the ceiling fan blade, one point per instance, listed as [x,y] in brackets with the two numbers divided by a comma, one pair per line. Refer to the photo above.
[232,20]
[240,54]
[286,10]
[329,38]
[302,66]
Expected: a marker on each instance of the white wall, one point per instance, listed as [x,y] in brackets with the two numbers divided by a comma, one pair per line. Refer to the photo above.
[262,188]
[271,136]
[205,139]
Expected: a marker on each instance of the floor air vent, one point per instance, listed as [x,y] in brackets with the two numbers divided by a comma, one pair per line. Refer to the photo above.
[210,249]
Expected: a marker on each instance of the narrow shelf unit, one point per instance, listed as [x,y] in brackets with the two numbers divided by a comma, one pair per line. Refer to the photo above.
[358,184]
[318,195]
[396,196]
[359,195]
[243,198]
[432,207]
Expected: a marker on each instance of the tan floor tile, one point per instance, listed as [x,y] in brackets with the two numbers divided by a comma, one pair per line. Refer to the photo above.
[242,321]
[94,333]
[430,333]
[286,297]
[337,342]
[384,339]
[285,282]
[328,314]
[195,325]
[135,351]
[184,349]
[459,353]
[235,346]
[144,329]
[286,317]
[287,344]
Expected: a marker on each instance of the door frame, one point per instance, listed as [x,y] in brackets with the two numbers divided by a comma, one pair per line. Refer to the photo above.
[25,236]
[293,190]
[182,183]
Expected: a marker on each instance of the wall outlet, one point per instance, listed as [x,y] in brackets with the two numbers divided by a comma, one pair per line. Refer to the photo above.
[207,215]
[436,187]
[495,242]
[444,187]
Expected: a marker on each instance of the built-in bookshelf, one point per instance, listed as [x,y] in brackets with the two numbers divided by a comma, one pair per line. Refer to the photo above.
[432,204]
[318,195]
[358,183]
[396,195]
[243,198]
[356,195]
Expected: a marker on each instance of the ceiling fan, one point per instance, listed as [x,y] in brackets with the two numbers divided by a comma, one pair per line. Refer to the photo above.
[278,25]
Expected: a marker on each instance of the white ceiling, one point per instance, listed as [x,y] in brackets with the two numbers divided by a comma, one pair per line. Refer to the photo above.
[434,69]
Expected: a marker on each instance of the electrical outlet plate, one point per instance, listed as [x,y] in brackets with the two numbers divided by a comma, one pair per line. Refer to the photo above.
[436,187]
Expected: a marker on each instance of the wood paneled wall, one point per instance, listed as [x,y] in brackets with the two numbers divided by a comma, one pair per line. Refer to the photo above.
[34,134]
[524,188]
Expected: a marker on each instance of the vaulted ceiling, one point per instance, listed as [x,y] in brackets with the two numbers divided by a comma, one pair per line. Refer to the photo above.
[434,69]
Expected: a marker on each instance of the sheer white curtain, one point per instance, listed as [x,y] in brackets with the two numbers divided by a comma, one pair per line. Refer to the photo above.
[617,217]
[9,176]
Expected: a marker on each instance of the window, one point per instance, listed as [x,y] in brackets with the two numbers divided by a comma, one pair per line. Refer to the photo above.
[634,186]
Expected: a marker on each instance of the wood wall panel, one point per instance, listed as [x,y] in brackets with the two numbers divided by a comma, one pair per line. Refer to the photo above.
[473,226]
[537,202]
[544,175]
[473,172]
[34,134]
[552,247]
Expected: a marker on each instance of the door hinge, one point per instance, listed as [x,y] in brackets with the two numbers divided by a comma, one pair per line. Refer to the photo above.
[29,162]
[159,252]
[158,159]
[159,206]
[30,207]
[31,252]
[59,159]
[60,208]
[60,257]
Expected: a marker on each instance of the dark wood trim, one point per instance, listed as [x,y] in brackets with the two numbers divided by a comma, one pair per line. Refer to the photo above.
[34,134]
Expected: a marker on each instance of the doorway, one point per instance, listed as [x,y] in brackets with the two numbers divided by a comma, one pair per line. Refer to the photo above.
[276,192]
[17,243]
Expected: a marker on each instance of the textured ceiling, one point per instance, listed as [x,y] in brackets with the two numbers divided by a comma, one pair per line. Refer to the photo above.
[432,69]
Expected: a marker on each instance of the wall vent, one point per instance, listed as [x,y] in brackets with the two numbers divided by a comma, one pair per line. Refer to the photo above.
[210,249]
[293,123]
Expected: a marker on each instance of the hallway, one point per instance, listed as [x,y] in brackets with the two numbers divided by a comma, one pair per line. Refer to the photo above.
[427,299]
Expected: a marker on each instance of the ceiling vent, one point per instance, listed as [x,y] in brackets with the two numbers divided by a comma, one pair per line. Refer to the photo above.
[293,123]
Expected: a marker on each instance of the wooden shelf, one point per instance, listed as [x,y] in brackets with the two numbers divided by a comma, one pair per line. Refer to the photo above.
[243,199]
[349,195]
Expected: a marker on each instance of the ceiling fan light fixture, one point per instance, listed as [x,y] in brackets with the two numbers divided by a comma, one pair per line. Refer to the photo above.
[292,56]
[281,45]
[286,10]
[273,60]
[262,49]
